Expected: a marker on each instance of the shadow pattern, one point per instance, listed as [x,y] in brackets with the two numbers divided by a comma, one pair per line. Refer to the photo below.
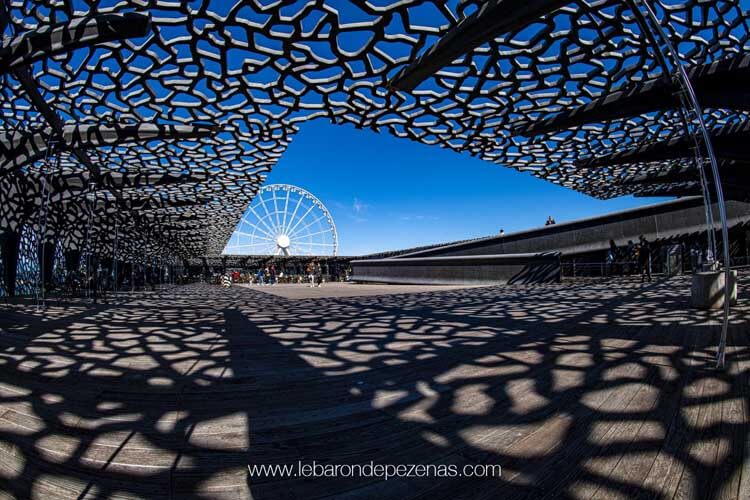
[598,390]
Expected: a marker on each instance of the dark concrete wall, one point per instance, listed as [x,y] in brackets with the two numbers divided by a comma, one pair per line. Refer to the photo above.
[481,270]
[656,222]
[9,248]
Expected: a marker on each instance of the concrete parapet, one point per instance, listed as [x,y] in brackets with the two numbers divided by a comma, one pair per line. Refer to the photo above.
[463,270]
[707,290]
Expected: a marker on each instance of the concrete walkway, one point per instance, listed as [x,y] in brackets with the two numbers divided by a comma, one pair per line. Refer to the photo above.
[337,290]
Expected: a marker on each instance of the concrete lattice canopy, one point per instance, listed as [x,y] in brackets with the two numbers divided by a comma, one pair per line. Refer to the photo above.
[256,71]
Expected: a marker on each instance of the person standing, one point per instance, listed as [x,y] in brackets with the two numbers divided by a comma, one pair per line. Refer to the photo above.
[318,274]
[696,257]
[644,258]
[93,285]
[309,273]
[272,274]
[630,256]
[612,255]
[260,276]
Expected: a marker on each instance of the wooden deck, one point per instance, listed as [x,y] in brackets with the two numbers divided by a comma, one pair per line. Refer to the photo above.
[597,390]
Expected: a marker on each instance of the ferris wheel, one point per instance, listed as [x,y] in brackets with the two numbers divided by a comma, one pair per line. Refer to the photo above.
[284,220]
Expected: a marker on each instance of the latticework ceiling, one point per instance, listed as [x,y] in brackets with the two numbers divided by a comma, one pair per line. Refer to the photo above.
[258,70]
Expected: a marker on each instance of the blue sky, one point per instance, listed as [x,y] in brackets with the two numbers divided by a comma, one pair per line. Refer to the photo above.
[387,193]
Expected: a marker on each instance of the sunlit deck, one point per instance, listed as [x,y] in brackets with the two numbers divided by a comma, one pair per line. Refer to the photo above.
[596,390]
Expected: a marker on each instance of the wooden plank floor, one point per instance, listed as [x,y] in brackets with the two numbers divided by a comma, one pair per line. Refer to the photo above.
[585,391]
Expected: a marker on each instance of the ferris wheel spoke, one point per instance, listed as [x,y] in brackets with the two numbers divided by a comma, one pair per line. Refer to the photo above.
[269,220]
[329,230]
[254,236]
[308,225]
[294,214]
[287,222]
[258,236]
[316,244]
[261,220]
[255,228]
[268,214]
[291,231]
[286,210]
[276,210]
[251,245]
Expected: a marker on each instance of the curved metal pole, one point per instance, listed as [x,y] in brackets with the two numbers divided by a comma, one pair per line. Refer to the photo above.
[114,257]
[686,123]
[698,110]
[42,226]
[91,207]
[132,267]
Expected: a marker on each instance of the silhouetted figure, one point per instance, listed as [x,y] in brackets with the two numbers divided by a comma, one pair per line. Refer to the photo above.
[644,258]
[696,257]
[550,221]
[318,274]
[502,232]
[611,257]
[104,282]
[93,287]
[630,256]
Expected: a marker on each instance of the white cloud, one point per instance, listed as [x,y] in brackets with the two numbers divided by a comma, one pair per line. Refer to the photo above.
[355,211]
[359,207]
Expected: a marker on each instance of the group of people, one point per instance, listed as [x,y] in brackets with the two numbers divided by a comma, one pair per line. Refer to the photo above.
[97,282]
[622,259]
[269,275]
[314,272]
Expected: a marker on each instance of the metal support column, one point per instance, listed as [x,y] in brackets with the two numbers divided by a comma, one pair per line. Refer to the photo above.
[703,131]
